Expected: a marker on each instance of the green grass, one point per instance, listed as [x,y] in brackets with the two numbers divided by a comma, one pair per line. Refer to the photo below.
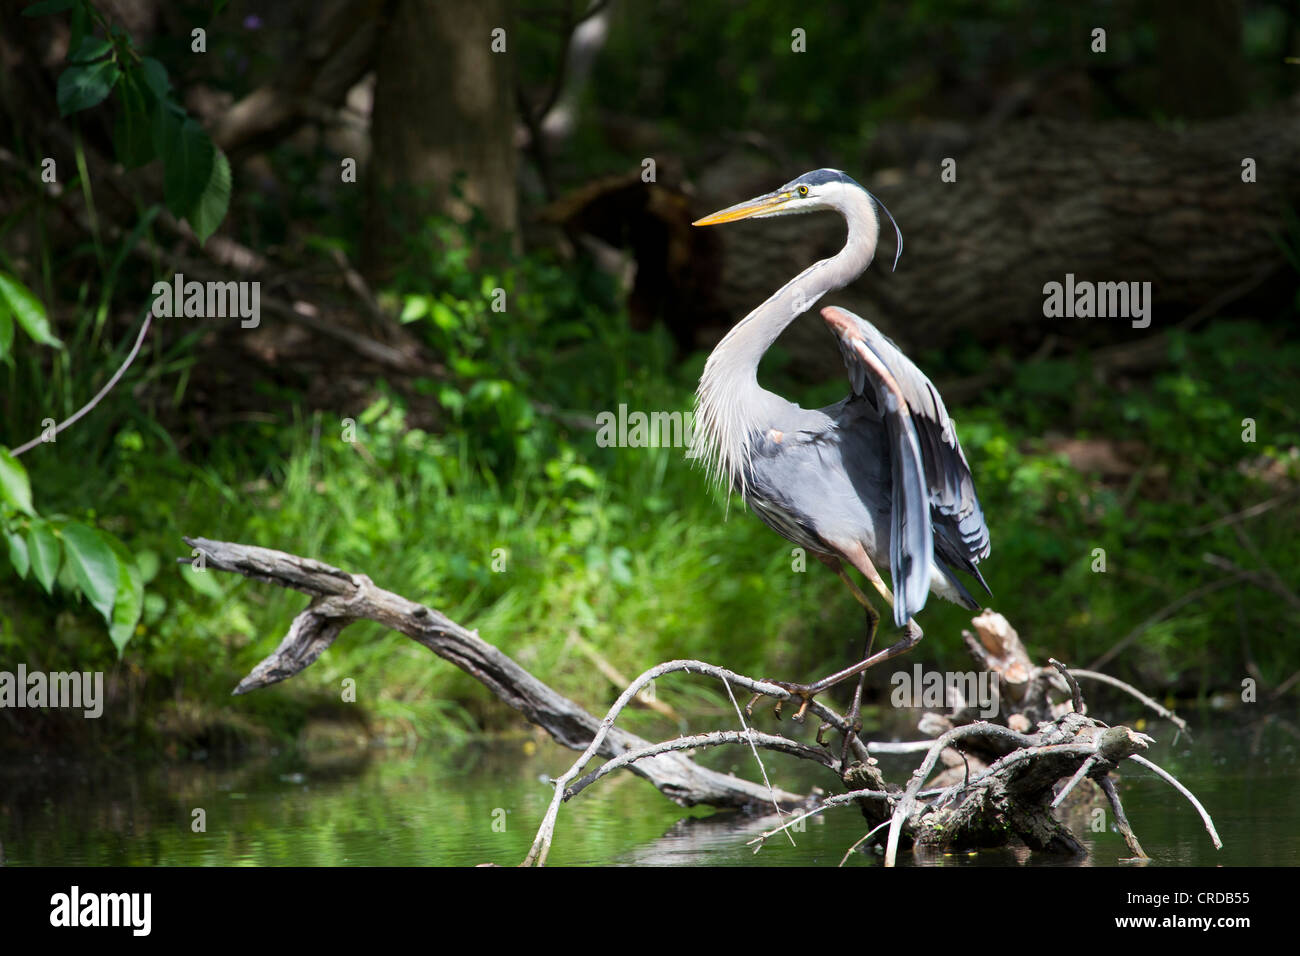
[512,520]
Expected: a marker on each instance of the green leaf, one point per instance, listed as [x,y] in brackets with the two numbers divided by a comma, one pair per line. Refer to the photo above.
[94,566]
[155,77]
[188,157]
[129,602]
[6,332]
[128,606]
[167,119]
[196,175]
[132,130]
[202,581]
[416,307]
[67,578]
[43,546]
[18,554]
[14,485]
[81,87]
[46,7]
[148,563]
[211,208]
[92,48]
[27,309]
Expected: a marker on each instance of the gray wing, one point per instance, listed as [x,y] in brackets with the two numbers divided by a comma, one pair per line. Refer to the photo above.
[961,537]
[911,540]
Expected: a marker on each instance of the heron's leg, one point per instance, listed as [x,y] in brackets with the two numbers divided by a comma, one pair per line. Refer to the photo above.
[853,718]
[912,632]
[872,614]
[863,564]
[873,621]
[912,635]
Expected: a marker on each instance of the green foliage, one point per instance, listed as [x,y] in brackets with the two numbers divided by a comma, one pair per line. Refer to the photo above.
[84,85]
[96,565]
[1192,470]
[624,549]
[62,555]
[18,302]
[15,488]
[150,123]
[620,550]
[508,333]
[99,567]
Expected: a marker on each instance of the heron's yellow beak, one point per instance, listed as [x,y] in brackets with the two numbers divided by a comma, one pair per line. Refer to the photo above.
[750,207]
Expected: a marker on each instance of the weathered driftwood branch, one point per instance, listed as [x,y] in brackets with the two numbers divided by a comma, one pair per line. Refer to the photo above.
[1011,797]
[1174,782]
[1014,794]
[717,738]
[339,598]
[1008,789]
[541,847]
[1025,695]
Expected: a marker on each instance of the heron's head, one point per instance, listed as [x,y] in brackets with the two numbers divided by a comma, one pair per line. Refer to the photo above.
[817,190]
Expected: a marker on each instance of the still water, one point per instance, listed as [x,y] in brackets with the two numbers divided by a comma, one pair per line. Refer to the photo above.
[482,804]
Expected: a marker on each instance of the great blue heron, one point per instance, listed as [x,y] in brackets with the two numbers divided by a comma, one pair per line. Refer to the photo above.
[878,475]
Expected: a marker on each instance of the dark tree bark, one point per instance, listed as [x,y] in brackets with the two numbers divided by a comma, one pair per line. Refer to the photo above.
[444,107]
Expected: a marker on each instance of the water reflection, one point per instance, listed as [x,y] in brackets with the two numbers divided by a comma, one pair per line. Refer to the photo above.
[482,803]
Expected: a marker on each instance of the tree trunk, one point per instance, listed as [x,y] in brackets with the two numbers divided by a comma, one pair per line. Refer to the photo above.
[443,109]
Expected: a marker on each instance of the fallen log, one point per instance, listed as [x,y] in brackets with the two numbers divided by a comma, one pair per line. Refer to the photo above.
[1114,201]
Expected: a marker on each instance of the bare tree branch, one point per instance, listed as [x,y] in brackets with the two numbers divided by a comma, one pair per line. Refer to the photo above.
[339,598]
[1174,782]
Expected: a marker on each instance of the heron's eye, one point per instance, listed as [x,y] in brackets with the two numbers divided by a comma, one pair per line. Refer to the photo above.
[803,190]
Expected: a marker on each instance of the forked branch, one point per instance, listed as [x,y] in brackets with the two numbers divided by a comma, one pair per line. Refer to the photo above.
[339,598]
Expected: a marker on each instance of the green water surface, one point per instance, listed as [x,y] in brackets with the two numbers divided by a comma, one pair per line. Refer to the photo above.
[440,806]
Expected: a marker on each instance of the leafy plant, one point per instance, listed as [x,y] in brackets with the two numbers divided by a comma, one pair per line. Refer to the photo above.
[78,559]
[82,560]
[150,123]
[18,303]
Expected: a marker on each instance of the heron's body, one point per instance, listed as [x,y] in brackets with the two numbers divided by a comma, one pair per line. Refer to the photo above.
[822,477]
[878,478]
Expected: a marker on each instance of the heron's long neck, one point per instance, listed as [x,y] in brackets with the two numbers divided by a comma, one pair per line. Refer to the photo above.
[729,403]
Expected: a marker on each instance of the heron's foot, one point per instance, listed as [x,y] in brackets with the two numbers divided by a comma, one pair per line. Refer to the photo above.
[804,693]
[852,731]
[851,734]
